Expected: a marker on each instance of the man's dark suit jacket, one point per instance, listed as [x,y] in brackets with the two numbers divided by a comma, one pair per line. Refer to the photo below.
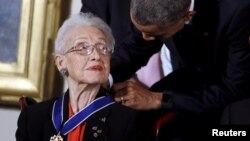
[114,122]
[114,12]
[237,113]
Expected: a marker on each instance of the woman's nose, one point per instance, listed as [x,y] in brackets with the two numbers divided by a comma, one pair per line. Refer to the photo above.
[95,54]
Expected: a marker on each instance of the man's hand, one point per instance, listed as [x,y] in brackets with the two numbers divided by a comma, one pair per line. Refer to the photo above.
[133,95]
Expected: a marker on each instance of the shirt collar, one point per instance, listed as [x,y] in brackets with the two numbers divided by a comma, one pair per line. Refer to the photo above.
[191,8]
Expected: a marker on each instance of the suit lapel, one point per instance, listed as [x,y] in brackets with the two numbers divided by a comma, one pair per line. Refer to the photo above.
[176,60]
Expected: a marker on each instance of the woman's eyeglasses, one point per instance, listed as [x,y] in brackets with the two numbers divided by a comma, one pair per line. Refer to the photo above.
[84,48]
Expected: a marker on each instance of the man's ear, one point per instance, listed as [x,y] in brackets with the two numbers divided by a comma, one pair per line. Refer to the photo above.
[189,15]
[60,62]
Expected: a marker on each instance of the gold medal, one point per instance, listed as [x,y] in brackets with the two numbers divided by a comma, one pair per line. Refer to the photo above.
[56,138]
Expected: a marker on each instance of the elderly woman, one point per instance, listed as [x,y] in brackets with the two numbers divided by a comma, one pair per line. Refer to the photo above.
[85,112]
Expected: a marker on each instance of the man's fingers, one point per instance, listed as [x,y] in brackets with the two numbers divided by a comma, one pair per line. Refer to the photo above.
[123,85]
[119,99]
[119,86]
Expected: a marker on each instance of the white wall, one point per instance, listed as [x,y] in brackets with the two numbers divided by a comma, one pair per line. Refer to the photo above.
[9,116]
[8,122]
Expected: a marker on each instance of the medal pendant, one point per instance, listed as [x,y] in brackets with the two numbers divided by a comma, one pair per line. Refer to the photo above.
[56,138]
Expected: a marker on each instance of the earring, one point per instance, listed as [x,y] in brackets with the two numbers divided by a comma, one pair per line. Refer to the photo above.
[64,72]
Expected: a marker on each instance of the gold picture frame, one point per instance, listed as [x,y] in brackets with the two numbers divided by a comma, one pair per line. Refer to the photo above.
[33,72]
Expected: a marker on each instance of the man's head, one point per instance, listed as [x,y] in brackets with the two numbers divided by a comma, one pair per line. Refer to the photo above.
[160,18]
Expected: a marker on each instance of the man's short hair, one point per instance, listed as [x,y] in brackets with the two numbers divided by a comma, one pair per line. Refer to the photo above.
[160,12]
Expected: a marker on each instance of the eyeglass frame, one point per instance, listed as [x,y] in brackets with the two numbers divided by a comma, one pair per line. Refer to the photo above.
[89,49]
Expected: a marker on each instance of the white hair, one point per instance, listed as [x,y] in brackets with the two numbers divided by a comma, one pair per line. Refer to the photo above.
[82,19]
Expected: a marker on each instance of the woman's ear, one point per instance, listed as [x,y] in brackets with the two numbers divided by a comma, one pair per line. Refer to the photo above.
[60,62]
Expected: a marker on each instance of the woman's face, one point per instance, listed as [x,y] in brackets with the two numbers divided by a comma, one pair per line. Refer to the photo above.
[85,57]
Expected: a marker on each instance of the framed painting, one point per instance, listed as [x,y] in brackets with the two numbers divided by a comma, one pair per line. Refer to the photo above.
[27,32]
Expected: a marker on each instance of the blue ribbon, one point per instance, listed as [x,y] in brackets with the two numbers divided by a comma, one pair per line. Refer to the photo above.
[78,118]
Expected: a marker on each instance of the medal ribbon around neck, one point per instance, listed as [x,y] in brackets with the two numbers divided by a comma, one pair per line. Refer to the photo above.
[79,117]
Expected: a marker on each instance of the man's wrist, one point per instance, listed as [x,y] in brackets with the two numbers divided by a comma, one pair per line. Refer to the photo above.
[157,100]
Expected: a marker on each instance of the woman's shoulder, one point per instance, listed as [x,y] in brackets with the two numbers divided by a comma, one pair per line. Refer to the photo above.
[39,108]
